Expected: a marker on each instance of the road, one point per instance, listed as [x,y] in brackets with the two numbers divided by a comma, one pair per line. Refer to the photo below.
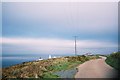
[96,68]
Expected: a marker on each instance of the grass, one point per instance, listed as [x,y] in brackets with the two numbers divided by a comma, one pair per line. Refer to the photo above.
[63,66]
[59,67]
[49,75]
[113,60]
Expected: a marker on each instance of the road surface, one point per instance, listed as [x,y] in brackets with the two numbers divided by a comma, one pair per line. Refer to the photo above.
[96,68]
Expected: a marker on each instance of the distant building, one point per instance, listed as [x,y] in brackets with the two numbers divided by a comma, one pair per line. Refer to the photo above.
[88,54]
[54,57]
[114,52]
[40,59]
[51,57]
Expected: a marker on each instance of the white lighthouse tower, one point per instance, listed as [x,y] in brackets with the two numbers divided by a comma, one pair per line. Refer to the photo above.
[50,57]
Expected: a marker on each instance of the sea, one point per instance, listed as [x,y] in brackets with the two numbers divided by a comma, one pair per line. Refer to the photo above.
[10,61]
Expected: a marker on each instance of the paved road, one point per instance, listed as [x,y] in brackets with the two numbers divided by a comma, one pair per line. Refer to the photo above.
[95,69]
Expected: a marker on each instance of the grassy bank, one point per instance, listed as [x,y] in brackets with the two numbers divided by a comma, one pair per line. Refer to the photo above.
[70,63]
[44,68]
[60,67]
[113,60]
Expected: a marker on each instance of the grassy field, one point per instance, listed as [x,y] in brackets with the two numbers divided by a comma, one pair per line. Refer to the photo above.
[113,60]
[60,67]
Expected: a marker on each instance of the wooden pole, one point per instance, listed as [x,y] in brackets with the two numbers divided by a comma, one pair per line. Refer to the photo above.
[75,46]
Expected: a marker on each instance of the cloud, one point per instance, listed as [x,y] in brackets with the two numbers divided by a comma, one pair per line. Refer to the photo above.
[93,18]
[91,21]
[53,46]
[47,42]
[60,0]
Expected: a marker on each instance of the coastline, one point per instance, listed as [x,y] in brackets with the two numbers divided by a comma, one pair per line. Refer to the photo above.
[46,68]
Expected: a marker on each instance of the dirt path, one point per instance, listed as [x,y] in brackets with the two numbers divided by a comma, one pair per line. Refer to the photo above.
[95,69]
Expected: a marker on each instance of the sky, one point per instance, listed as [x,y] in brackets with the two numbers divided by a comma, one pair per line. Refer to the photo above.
[59,0]
[32,29]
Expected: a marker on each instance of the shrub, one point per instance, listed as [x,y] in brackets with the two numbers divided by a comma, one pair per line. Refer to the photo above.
[113,60]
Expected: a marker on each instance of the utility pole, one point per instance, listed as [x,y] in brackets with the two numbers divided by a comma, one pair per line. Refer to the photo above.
[75,45]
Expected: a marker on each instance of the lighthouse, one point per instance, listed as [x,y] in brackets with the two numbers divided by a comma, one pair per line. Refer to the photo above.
[50,57]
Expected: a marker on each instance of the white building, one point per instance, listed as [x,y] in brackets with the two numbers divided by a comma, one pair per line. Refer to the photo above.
[54,57]
[50,57]
[88,54]
[40,59]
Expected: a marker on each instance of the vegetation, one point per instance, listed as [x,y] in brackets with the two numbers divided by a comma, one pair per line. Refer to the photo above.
[67,64]
[113,60]
[44,68]
[59,67]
